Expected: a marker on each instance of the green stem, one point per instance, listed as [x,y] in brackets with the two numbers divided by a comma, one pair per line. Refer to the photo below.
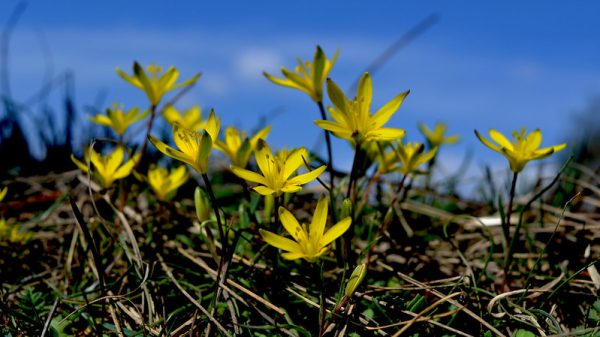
[506,222]
[215,206]
[145,144]
[322,302]
[354,170]
[329,151]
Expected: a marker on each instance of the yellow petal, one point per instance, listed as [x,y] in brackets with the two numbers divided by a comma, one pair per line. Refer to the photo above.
[264,158]
[317,226]
[186,140]
[500,139]
[264,190]
[364,92]
[307,177]
[336,231]
[334,127]
[248,175]
[100,119]
[384,114]
[290,188]
[129,79]
[336,95]
[82,166]
[385,134]
[114,159]
[291,225]
[487,142]
[293,256]
[533,140]
[126,168]
[262,134]
[283,82]
[280,242]
[294,161]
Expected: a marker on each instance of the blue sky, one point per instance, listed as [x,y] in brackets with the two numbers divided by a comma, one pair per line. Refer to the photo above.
[502,65]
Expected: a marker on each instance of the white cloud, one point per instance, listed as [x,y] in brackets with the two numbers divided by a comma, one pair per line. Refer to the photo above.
[250,63]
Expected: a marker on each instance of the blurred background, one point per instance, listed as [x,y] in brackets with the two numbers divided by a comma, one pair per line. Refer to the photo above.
[476,65]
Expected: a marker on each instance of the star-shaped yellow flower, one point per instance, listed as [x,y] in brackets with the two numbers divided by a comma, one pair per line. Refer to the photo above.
[107,168]
[238,147]
[191,119]
[352,119]
[165,183]
[193,147]
[437,137]
[119,120]
[521,149]
[276,171]
[308,77]
[155,83]
[309,242]
[413,155]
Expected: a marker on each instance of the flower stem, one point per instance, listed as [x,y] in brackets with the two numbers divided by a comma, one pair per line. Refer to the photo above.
[354,171]
[506,222]
[322,302]
[145,144]
[328,141]
[215,207]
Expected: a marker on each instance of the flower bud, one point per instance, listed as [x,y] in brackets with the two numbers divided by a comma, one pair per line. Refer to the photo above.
[346,208]
[355,279]
[202,205]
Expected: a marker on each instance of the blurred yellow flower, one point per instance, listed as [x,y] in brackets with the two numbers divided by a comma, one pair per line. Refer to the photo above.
[165,183]
[352,119]
[309,242]
[193,147]
[118,120]
[386,157]
[191,119]
[276,171]
[3,193]
[238,147]
[436,137]
[11,233]
[523,147]
[308,77]
[413,155]
[155,83]
[107,168]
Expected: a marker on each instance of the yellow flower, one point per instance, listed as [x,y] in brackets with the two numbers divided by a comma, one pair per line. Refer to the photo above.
[191,118]
[3,193]
[309,242]
[194,147]
[308,77]
[436,137]
[413,155]
[352,119]
[386,157]
[238,147]
[163,183]
[523,147]
[155,83]
[276,171]
[107,168]
[11,233]
[119,120]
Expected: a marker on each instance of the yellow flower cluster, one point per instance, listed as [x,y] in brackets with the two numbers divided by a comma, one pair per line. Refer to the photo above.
[274,173]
